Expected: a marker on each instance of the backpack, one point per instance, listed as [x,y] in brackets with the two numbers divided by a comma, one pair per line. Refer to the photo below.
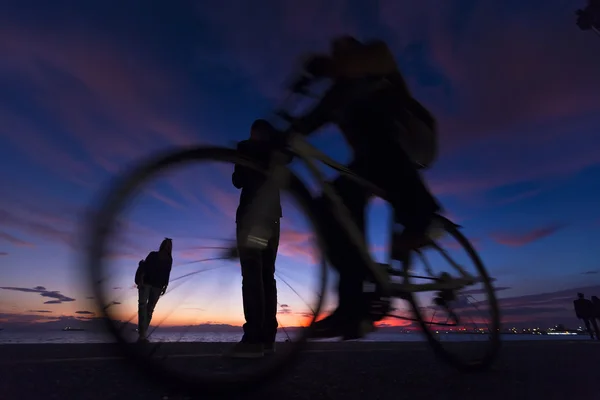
[416,127]
[419,137]
[139,273]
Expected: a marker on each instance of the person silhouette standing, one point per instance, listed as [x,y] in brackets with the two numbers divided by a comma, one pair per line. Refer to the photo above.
[259,287]
[589,17]
[584,310]
[152,279]
[596,303]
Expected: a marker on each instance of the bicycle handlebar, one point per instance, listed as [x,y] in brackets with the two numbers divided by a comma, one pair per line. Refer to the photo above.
[298,86]
[284,115]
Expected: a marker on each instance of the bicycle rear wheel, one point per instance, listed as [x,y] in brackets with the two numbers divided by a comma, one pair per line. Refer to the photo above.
[454,328]
[102,225]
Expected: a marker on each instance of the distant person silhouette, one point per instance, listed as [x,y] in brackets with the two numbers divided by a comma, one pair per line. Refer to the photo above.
[589,17]
[584,310]
[259,288]
[152,279]
[596,303]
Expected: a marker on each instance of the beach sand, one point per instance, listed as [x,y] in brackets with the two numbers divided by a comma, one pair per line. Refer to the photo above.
[353,370]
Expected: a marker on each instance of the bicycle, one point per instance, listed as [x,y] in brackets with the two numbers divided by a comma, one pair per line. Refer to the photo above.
[279,175]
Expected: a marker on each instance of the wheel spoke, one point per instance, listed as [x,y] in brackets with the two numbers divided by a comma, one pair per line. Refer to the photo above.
[444,312]
[156,357]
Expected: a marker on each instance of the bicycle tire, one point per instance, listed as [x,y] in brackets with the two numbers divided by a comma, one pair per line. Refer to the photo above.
[487,360]
[100,226]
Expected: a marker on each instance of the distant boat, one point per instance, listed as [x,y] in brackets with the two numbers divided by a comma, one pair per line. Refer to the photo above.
[69,329]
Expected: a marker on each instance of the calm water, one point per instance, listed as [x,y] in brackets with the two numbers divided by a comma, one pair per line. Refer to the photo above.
[7,337]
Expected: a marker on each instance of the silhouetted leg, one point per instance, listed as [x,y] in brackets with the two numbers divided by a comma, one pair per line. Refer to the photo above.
[152,300]
[588,327]
[252,289]
[143,294]
[342,253]
[595,326]
[270,286]
[413,204]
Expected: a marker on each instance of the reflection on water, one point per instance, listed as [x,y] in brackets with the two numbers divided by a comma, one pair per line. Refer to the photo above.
[7,337]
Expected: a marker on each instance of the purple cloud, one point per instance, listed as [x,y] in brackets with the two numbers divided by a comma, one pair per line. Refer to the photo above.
[53,294]
[521,239]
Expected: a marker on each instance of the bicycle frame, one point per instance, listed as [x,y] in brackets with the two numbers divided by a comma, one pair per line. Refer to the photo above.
[309,154]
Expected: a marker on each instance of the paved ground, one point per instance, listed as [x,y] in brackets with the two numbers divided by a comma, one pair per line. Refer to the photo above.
[352,370]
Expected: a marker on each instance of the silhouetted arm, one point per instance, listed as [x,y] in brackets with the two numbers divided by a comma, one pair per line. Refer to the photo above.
[167,276]
[170,266]
[236,177]
[143,267]
[148,258]
[239,173]
[165,263]
[321,113]
[139,273]
[370,59]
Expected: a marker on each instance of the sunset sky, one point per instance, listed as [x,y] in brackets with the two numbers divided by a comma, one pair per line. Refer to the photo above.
[89,88]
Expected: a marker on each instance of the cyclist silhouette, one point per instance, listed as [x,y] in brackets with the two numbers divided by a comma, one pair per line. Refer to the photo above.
[392,136]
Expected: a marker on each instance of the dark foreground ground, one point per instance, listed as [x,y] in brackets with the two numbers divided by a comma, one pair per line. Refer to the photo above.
[359,370]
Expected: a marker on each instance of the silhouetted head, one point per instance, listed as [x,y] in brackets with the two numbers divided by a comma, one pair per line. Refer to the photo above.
[580,295]
[342,44]
[595,299]
[166,246]
[261,129]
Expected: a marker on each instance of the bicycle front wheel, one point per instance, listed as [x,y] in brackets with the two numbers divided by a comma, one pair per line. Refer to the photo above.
[199,367]
[456,322]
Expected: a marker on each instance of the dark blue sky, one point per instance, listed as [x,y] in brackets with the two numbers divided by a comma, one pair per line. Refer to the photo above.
[88,88]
